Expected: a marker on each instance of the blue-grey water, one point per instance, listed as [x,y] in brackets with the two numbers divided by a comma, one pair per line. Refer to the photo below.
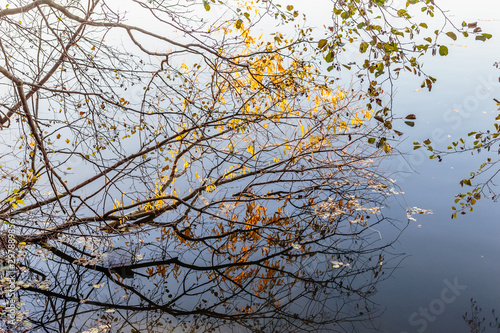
[448,261]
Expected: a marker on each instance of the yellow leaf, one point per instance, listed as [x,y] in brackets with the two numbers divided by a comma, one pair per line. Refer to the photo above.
[250,148]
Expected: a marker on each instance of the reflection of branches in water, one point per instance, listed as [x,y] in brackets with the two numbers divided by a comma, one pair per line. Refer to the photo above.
[294,286]
[476,321]
[235,191]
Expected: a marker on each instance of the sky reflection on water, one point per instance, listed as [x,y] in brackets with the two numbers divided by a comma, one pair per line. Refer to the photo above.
[439,248]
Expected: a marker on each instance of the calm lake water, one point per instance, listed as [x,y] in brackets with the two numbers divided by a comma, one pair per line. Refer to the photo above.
[444,262]
[448,261]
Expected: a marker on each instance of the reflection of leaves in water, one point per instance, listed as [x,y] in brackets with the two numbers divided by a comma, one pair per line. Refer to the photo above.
[477,321]
[300,270]
[232,192]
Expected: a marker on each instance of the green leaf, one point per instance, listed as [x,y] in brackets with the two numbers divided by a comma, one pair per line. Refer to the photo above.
[371,140]
[239,23]
[443,50]
[322,43]
[206,5]
[451,35]
[363,47]
[403,13]
[410,123]
[329,57]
